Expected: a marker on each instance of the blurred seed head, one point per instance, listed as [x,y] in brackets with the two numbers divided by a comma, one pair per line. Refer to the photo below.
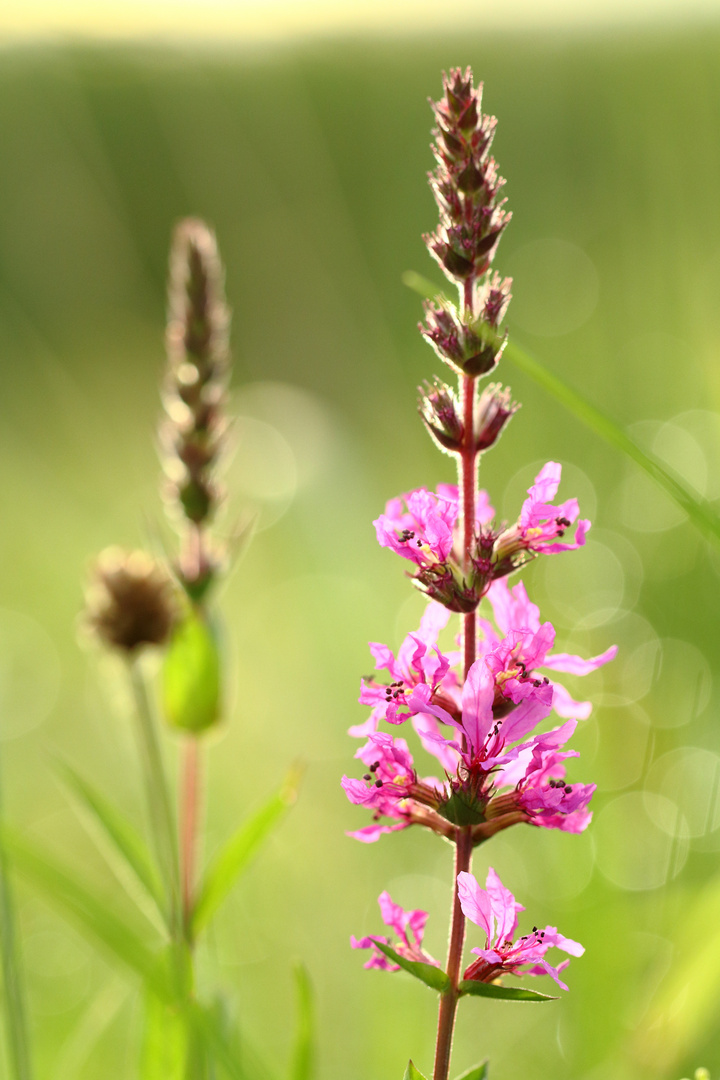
[192,434]
[130,600]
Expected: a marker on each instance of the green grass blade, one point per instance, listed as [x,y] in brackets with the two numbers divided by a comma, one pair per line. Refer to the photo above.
[699,511]
[62,891]
[302,1066]
[117,836]
[13,991]
[232,859]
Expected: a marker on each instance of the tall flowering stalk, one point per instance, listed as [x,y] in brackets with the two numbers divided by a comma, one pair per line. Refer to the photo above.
[480,710]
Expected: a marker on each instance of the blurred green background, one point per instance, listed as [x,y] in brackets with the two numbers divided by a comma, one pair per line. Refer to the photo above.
[309,159]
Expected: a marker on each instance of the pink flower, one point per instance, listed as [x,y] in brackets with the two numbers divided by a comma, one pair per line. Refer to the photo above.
[540,788]
[422,530]
[495,910]
[409,927]
[391,788]
[541,525]
[526,647]
[418,661]
[485,742]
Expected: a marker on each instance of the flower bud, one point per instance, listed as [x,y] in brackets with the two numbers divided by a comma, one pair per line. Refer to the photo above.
[469,346]
[130,600]
[492,411]
[440,412]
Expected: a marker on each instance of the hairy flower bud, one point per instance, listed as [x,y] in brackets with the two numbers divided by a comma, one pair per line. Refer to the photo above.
[465,183]
[130,600]
[492,412]
[194,394]
[440,412]
[469,346]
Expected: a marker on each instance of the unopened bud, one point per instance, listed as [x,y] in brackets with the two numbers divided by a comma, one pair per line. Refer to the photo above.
[130,600]
[469,346]
[438,406]
[492,412]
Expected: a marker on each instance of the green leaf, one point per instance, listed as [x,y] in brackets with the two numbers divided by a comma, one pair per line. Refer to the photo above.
[411,1073]
[432,976]
[117,836]
[63,891]
[507,993]
[303,1056]
[699,511]
[191,675]
[478,1072]
[233,858]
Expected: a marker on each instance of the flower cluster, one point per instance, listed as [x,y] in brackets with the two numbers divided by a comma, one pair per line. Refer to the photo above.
[483,705]
[421,527]
[498,769]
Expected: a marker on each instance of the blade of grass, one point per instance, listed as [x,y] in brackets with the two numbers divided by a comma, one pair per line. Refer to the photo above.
[97,1018]
[61,889]
[14,995]
[232,859]
[699,511]
[115,836]
[302,1064]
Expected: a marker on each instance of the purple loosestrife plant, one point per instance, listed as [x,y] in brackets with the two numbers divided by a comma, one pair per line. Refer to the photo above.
[484,711]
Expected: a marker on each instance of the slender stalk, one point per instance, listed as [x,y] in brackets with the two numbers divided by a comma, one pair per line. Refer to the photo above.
[13,997]
[158,798]
[189,814]
[449,1000]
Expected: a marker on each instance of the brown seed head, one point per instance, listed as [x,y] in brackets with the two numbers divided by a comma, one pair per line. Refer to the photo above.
[130,600]
[191,437]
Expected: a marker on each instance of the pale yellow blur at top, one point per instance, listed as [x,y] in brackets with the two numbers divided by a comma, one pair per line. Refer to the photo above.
[257,19]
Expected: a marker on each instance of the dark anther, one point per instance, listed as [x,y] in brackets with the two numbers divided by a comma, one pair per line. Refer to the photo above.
[378,783]
[367,776]
[374,767]
[568,789]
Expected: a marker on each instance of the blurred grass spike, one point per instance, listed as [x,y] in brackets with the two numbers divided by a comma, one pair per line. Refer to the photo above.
[699,511]
[236,853]
[302,1065]
[193,433]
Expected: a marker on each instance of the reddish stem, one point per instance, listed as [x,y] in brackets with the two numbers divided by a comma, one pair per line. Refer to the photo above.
[190,797]
[463,837]
[468,487]
[449,1000]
